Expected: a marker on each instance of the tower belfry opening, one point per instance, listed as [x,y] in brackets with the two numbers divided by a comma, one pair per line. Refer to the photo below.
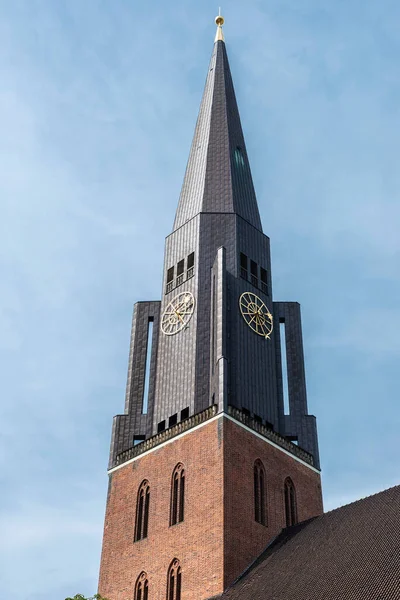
[214,418]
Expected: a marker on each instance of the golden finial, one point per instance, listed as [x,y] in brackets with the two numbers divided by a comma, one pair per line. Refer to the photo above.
[219,22]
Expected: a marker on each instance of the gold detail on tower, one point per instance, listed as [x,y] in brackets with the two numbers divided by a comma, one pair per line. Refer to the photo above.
[219,22]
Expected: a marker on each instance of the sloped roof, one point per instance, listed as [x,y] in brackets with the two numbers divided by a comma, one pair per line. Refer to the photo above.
[351,553]
[218,176]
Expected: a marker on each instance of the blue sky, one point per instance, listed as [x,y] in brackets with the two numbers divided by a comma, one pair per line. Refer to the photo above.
[98,102]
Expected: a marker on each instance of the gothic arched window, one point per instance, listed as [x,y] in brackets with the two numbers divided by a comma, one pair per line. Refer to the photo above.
[260,510]
[290,503]
[142,511]
[174,582]
[142,587]
[177,495]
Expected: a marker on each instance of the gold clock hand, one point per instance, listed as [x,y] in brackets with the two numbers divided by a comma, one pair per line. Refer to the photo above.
[179,316]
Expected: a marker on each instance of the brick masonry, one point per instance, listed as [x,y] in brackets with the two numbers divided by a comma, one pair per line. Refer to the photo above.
[219,536]
[244,538]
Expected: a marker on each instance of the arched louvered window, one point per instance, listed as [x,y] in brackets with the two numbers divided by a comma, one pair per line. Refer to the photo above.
[177,513]
[290,503]
[174,582]
[142,511]
[260,509]
[142,587]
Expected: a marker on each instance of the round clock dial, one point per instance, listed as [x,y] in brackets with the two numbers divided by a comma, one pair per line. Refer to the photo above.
[256,314]
[178,313]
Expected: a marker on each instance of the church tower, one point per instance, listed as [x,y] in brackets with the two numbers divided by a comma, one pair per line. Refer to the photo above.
[208,462]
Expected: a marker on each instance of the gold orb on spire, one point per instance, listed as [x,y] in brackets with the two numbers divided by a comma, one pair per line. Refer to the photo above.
[219,22]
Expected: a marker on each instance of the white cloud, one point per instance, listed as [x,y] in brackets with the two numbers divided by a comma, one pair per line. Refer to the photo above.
[96,119]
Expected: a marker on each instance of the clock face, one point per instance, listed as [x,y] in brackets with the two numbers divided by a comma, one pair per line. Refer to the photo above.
[178,313]
[256,314]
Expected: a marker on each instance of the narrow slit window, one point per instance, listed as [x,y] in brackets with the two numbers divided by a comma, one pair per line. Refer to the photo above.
[170,275]
[174,581]
[180,272]
[190,266]
[181,513]
[146,512]
[170,280]
[260,509]
[239,160]
[290,503]
[254,273]
[178,584]
[171,595]
[142,511]
[243,265]
[177,495]
[142,587]
[145,400]
[285,384]
[264,280]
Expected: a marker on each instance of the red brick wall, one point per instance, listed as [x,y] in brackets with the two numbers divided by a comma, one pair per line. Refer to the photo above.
[244,537]
[197,542]
[219,537]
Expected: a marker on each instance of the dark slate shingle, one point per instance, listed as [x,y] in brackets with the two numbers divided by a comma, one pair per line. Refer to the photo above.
[351,553]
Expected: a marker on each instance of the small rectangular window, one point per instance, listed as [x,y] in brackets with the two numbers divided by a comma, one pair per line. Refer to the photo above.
[243,265]
[185,413]
[180,267]
[254,273]
[264,280]
[258,419]
[190,266]
[138,439]
[173,420]
[170,280]
[161,427]
[246,412]
[179,272]
[190,260]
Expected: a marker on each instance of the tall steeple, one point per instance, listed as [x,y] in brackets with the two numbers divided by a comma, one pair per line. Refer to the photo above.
[218,177]
[207,348]
[208,462]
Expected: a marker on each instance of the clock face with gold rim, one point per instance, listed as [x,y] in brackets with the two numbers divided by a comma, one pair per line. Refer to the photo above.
[256,314]
[178,313]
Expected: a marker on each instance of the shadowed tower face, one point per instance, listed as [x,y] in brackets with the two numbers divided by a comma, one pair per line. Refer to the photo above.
[208,459]
[216,252]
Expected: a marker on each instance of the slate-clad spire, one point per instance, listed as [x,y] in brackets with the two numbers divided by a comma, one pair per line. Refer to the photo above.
[218,177]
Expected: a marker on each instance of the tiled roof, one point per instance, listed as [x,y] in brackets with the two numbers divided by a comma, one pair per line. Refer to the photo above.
[351,553]
[218,176]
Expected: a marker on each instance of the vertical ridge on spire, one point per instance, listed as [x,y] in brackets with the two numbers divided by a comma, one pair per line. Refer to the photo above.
[218,176]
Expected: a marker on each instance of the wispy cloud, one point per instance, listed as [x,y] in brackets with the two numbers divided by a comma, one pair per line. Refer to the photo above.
[97,110]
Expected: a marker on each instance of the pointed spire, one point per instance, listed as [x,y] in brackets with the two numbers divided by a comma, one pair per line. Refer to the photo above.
[219,21]
[218,177]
